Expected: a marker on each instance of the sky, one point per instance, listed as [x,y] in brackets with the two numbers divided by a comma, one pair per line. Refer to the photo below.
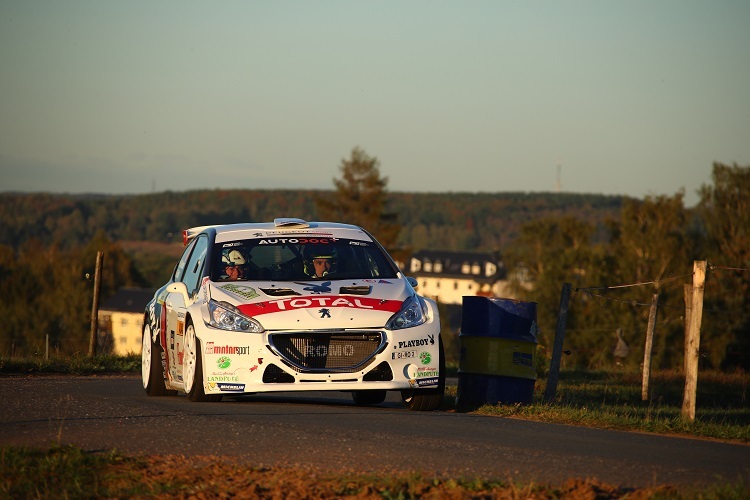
[633,98]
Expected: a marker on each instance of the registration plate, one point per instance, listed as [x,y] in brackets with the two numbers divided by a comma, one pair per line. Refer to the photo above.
[404,355]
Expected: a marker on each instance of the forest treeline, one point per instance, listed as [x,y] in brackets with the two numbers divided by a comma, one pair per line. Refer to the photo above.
[448,221]
[617,252]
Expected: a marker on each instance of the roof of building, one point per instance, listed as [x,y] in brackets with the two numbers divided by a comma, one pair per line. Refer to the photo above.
[128,299]
[452,264]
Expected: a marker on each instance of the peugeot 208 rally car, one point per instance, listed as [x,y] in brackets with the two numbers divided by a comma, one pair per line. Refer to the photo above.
[291,306]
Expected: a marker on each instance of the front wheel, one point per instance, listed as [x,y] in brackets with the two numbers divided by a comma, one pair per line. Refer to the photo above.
[152,371]
[193,368]
[427,399]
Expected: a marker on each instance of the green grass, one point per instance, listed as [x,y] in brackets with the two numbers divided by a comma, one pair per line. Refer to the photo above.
[60,472]
[613,400]
[72,365]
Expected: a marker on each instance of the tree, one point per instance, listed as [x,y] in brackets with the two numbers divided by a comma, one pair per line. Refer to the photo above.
[650,245]
[725,213]
[44,290]
[360,198]
[649,239]
[556,251]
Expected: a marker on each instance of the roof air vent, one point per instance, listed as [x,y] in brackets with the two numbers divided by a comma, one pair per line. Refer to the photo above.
[290,222]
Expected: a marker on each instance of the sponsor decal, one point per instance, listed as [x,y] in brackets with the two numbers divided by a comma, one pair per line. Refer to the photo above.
[324,287]
[223,362]
[232,244]
[427,372]
[522,358]
[231,387]
[415,343]
[321,351]
[180,328]
[359,243]
[291,303]
[180,356]
[162,319]
[325,313]
[297,241]
[382,282]
[211,348]
[223,378]
[421,382]
[404,354]
[425,357]
[242,291]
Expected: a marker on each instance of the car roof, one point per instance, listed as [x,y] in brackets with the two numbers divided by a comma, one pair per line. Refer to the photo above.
[226,232]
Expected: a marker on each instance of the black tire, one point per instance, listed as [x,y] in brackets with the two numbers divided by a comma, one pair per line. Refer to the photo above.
[427,399]
[197,393]
[369,398]
[152,371]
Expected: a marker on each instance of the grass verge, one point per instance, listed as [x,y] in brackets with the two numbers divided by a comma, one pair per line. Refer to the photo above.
[68,472]
[72,365]
[613,400]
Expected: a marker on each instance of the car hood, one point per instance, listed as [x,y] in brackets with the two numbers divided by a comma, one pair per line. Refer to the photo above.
[312,305]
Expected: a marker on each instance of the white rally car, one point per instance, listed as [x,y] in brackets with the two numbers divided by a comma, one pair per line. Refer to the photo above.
[291,306]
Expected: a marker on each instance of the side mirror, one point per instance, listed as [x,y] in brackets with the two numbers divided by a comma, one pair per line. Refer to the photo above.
[179,287]
[413,282]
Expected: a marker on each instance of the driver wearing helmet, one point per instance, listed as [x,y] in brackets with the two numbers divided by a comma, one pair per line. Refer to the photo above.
[320,260]
[234,264]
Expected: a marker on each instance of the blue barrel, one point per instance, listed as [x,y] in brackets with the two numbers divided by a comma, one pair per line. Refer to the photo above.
[498,352]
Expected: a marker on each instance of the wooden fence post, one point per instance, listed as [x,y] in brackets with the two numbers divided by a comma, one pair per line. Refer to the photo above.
[649,344]
[693,341]
[95,304]
[554,368]
[688,290]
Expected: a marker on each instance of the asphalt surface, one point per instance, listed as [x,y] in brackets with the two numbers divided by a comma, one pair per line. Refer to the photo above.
[327,432]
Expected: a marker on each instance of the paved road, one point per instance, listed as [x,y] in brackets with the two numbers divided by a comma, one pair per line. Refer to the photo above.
[327,431]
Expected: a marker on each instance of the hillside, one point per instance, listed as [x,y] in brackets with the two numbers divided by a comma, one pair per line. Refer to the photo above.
[450,221]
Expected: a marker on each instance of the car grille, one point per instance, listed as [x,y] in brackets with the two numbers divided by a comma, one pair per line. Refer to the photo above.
[336,351]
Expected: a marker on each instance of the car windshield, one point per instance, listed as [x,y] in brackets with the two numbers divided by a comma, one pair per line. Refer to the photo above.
[293,259]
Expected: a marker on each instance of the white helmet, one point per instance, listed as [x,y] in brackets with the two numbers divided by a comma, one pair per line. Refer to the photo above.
[233,258]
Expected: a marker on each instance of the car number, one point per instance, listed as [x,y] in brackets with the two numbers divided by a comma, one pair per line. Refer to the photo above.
[404,355]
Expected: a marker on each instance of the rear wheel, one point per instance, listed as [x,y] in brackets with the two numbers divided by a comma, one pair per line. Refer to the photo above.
[152,371]
[427,399]
[368,398]
[193,368]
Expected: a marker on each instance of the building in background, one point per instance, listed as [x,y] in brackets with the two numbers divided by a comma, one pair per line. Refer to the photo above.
[121,320]
[448,276]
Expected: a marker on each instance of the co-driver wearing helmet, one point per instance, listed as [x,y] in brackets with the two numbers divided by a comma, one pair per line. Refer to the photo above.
[320,260]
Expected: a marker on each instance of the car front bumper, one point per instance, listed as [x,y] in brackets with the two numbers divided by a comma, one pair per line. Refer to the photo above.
[309,360]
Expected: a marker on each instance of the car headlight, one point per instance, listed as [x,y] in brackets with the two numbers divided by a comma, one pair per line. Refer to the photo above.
[413,313]
[225,316]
